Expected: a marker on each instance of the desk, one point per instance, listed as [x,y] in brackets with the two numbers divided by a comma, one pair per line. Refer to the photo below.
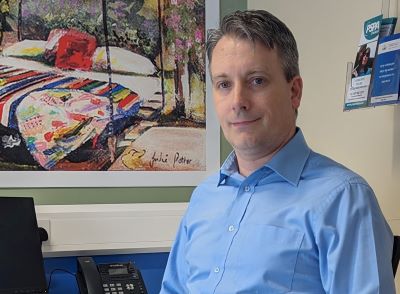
[151,265]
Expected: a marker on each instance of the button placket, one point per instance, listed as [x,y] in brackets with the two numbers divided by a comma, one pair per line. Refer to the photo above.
[232,225]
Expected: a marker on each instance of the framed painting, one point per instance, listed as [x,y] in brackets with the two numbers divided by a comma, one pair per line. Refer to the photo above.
[106,93]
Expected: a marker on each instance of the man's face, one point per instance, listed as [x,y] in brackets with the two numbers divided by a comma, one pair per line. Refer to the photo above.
[255,104]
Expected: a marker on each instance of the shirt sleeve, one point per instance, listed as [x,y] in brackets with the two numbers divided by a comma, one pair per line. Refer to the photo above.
[174,280]
[354,242]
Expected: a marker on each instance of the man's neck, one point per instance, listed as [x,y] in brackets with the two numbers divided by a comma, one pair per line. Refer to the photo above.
[250,162]
[247,165]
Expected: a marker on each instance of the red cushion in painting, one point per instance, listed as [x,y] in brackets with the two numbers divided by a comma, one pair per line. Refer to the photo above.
[51,47]
[75,50]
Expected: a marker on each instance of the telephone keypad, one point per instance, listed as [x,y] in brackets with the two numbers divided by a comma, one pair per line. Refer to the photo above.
[127,281]
[111,289]
[118,288]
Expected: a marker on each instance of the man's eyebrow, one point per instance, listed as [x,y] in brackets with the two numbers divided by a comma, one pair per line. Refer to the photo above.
[258,71]
[223,75]
[219,76]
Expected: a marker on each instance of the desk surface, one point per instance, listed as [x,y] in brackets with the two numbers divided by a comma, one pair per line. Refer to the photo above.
[151,265]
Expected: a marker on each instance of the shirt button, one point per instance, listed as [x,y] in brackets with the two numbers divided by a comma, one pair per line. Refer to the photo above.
[216,270]
[231,228]
[247,188]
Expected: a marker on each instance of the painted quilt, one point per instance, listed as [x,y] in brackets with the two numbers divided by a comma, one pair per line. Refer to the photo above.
[56,114]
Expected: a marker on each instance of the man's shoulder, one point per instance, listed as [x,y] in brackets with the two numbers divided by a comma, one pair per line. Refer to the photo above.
[205,199]
[324,167]
[330,183]
[210,182]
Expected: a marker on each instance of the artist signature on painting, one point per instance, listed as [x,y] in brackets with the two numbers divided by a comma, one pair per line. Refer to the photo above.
[165,158]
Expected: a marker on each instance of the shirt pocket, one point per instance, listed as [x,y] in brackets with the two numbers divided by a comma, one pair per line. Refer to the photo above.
[267,255]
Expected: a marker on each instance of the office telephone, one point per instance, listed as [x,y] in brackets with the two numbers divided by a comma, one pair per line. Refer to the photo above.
[110,278]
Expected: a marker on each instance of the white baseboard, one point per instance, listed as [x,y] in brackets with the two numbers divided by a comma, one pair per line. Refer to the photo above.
[95,229]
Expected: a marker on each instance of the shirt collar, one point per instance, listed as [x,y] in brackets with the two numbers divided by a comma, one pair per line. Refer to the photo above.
[228,168]
[288,162]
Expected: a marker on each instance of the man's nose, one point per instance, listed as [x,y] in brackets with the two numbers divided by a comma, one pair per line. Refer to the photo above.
[240,99]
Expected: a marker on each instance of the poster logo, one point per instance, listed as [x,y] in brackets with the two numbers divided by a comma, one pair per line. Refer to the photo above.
[371,28]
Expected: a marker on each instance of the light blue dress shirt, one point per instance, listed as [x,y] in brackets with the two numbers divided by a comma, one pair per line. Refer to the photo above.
[302,223]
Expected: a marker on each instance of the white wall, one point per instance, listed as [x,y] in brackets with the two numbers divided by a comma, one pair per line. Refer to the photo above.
[93,229]
[368,140]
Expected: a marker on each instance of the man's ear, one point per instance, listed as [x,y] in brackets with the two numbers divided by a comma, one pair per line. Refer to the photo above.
[297,91]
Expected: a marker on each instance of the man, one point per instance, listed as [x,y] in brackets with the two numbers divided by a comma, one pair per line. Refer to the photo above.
[278,217]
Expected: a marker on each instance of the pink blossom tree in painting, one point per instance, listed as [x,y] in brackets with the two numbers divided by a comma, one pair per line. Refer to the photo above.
[184,37]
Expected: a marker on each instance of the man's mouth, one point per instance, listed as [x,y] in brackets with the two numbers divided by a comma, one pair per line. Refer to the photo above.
[244,123]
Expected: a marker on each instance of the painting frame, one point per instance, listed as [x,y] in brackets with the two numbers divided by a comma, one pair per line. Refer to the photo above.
[37,179]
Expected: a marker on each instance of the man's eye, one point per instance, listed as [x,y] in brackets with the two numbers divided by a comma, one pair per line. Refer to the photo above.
[258,81]
[223,85]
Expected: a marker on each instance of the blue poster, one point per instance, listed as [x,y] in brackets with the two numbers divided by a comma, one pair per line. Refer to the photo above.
[386,78]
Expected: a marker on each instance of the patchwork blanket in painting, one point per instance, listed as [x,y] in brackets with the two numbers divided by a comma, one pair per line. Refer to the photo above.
[55,114]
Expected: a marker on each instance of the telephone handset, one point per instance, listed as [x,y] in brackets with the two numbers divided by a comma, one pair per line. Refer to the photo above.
[110,278]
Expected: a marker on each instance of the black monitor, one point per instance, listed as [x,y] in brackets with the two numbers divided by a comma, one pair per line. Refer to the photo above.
[21,259]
